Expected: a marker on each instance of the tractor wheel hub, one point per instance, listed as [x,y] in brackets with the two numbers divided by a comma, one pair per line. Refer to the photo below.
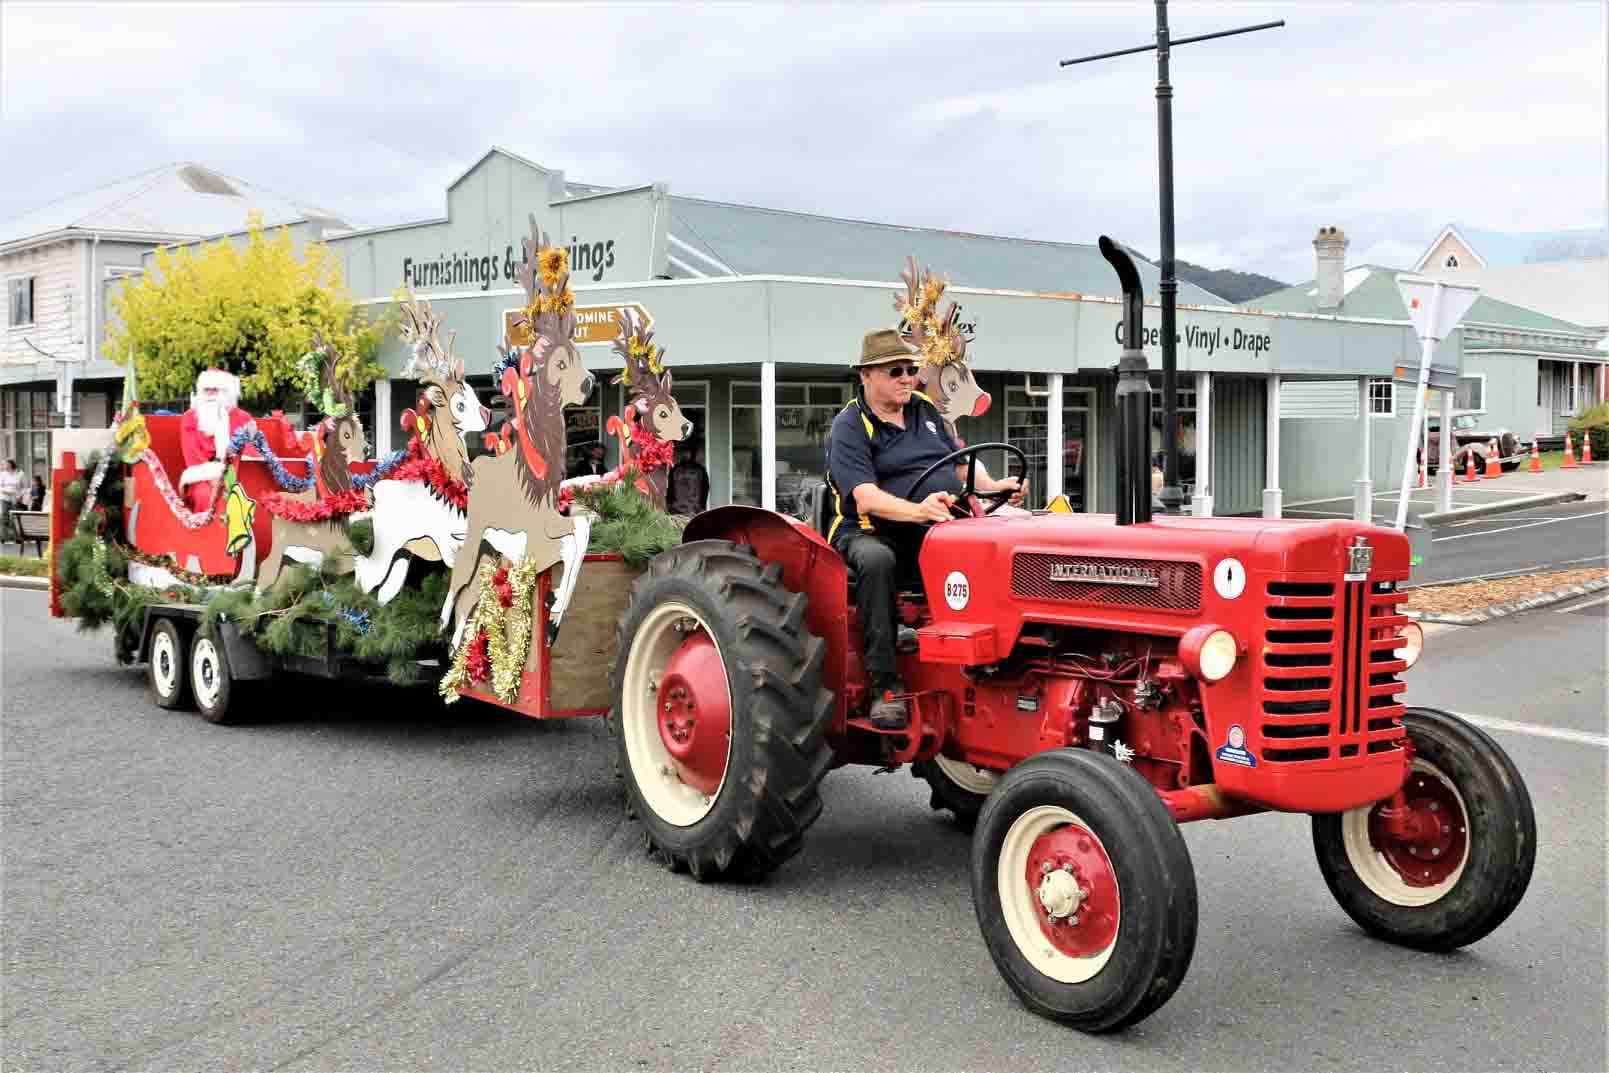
[1060,894]
[694,712]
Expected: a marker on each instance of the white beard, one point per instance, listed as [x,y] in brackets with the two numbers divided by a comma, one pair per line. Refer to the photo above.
[212,418]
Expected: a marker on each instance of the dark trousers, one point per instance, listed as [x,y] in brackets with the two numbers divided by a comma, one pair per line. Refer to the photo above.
[883,561]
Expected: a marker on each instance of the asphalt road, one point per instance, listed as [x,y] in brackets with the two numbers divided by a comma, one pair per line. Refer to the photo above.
[375,881]
[1562,536]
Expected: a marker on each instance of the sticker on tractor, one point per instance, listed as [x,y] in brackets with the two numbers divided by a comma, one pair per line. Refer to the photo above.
[1235,751]
[1027,702]
[1229,578]
[957,591]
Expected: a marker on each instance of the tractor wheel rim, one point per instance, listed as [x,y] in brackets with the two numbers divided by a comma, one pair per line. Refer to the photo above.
[164,664]
[679,758]
[974,780]
[1404,872]
[1059,894]
[205,673]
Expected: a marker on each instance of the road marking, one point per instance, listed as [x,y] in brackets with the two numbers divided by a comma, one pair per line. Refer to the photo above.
[1511,528]
[1580,737]
[1571,609]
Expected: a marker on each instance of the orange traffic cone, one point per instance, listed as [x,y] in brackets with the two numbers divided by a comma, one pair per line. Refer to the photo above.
[1569,453]
[1586,448]
[1536,458]
[1494,464]
[1470,476]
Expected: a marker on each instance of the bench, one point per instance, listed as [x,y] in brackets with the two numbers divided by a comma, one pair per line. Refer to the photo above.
[31,525]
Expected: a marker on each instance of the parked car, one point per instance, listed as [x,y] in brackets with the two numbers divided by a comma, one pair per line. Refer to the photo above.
[1471,437]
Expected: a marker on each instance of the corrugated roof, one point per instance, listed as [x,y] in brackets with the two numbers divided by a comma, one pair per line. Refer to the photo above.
[713,238]
[175,200]
[1375,296]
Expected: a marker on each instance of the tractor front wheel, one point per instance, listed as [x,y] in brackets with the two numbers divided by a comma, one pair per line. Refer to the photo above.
[719,711]
[1467,862]
[958,786]
[1084,890]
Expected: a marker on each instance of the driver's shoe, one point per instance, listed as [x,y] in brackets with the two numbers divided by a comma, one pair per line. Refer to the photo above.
[890,711]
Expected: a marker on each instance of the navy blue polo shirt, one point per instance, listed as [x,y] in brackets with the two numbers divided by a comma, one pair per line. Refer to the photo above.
[864,449]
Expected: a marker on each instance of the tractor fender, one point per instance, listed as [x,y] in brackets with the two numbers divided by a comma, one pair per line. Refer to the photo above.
[809,564]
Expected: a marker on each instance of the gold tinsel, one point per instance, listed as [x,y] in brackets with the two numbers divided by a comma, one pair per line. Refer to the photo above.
[554,263]
[507,660]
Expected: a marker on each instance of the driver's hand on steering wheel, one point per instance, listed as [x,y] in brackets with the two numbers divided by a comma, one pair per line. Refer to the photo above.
[936,507]
[1017,496]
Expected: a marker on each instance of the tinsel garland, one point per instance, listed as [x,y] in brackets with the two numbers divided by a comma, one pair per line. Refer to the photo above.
[320,510]
[282,476]
[360,620]
[95,484]
[100,577]
[432,472]
[364,481]
[168,562]
[504,607]
[188,518]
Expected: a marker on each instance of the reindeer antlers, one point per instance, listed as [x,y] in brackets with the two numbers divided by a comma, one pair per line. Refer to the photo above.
[545,276]
[429,360]
[936,337]
[640,357]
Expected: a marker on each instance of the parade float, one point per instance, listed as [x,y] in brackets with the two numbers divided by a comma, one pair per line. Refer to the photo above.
[222,547]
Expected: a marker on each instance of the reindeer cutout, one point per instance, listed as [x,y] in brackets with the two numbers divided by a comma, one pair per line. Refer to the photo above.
[420,513]
[652,419]
[513,493]
[941,345]
[309,525]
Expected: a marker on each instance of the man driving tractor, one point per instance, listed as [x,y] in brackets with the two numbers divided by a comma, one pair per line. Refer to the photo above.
[880,444]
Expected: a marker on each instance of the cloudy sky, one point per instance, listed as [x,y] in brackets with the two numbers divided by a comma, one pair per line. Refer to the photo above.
[1387,119]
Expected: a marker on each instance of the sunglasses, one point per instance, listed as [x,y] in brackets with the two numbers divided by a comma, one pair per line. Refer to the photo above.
[897,371]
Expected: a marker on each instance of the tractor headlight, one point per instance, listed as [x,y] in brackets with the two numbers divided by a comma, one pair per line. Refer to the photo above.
[1411,643]
[1209,652]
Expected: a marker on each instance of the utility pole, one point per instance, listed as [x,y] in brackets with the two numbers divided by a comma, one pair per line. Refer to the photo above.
[1172,493]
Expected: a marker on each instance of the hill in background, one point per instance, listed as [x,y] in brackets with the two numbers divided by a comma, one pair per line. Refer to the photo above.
[1233,287]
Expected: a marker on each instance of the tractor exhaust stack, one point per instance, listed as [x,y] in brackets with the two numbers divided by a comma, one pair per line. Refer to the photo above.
[1133,397]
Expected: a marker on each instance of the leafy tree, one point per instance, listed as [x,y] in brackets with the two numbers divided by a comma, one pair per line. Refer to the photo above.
[250,309]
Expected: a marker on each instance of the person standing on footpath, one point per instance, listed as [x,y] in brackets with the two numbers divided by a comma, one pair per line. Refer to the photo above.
[12,484]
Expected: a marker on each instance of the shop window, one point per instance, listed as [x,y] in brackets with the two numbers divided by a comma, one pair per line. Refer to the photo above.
[1382,397]
[22,302]
[1186,406]
[1471,393]
[1026,419]
[805,412]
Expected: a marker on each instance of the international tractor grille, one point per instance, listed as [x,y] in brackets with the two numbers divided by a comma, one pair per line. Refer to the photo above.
[1178,585]
[1328,672]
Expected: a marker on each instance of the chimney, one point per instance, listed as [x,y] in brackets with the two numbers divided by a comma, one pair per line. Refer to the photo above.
[1329,250]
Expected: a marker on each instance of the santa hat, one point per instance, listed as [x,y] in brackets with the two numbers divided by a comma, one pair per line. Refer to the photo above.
[219,380]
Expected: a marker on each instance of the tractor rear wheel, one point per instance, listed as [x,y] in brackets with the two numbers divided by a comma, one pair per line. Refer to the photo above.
[1084,890]
[957,786]
[1470,865]
[719,711]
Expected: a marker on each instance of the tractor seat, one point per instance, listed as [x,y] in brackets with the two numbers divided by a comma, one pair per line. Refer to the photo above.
[819,511]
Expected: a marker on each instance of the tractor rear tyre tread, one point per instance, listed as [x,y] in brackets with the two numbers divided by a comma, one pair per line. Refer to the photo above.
[1156,936]
[1501,853]
[780,711]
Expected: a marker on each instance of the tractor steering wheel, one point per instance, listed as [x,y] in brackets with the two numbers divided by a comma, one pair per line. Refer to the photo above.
[969,489]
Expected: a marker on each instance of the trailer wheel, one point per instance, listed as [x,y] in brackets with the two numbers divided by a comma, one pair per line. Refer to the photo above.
[166,672]
[956,785]
[1470,865]
[211,682]
[1084,890]
[719,711]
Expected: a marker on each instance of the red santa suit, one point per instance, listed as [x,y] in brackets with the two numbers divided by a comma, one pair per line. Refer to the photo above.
[205,431]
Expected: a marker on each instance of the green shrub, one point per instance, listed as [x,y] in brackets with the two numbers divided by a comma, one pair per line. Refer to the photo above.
[1593,422]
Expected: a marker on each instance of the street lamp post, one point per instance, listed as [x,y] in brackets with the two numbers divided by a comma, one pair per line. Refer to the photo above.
[1172,493]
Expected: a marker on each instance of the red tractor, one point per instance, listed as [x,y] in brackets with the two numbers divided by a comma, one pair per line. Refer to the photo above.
[1082,685]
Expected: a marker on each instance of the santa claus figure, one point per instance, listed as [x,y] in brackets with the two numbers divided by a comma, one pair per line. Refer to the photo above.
[204,433]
